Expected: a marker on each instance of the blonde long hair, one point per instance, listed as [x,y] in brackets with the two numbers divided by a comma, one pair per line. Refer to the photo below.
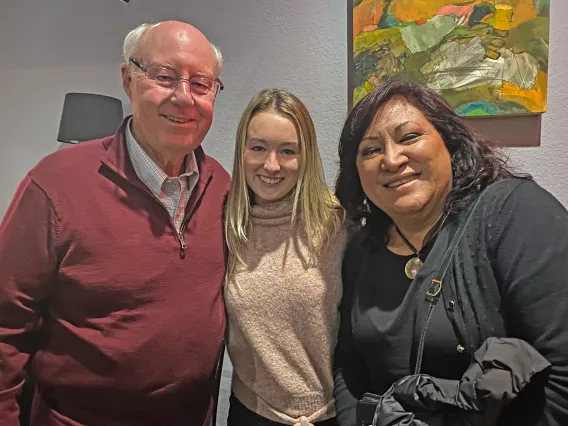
[314,204]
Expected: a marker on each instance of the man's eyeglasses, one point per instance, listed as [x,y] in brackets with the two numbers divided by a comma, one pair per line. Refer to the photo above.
[200,85]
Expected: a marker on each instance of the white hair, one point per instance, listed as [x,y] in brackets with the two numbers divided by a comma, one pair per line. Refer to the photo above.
[218,58]
[132,40]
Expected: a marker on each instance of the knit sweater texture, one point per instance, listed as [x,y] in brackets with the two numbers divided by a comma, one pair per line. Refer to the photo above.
[283,320]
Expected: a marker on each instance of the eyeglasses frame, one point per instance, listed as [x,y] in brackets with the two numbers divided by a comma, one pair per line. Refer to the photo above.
[220,85]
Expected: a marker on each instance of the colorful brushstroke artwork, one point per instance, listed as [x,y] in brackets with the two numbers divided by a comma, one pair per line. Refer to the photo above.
[485,57]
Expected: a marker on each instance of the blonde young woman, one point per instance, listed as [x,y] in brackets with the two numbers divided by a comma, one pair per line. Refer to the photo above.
[286,239]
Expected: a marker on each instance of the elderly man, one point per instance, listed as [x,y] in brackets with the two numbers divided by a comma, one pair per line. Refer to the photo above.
[112,256]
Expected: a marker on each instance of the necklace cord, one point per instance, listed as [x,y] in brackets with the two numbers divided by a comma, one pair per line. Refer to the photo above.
[438,226]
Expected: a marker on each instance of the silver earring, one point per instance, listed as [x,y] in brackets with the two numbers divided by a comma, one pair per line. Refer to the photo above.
[365,209]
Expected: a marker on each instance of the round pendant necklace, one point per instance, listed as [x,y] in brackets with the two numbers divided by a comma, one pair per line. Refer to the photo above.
[414,263]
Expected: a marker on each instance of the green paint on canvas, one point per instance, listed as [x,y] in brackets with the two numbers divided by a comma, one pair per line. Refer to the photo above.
[419,38]
[531,37]
[390,37]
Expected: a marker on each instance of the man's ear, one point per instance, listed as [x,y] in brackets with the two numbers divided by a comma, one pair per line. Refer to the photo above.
[126,80]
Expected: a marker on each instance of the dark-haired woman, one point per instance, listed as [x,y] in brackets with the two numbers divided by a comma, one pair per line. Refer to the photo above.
[411,172]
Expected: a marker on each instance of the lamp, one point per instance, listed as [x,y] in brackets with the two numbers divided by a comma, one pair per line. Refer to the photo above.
[89,116]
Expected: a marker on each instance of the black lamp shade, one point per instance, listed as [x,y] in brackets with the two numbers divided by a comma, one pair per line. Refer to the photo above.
[89,116]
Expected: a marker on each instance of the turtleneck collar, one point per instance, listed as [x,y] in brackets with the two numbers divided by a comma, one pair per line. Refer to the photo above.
[276,213]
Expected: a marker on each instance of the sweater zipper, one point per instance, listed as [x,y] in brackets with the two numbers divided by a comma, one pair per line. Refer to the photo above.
[186,219]
[179,233]
[182,244]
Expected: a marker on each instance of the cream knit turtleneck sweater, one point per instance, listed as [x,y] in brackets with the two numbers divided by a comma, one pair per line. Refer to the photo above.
[283,320]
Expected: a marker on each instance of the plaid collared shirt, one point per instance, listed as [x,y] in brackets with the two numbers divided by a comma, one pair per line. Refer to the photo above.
[173,192]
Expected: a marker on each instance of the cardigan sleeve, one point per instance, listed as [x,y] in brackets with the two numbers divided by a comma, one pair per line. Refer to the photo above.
[528,243]
[350,373]
[28,265]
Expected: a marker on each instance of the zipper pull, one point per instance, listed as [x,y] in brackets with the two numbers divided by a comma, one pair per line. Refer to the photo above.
[182,243]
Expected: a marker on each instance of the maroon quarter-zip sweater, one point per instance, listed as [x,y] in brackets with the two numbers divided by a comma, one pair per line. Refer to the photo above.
[123,318]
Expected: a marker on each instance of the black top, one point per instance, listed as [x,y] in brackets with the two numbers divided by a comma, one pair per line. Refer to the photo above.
[378,341]
[385,325]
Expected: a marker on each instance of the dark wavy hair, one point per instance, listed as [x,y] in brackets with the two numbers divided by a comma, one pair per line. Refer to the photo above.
[476,163]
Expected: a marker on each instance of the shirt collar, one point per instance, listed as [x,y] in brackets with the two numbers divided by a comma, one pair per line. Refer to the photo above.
[147,170]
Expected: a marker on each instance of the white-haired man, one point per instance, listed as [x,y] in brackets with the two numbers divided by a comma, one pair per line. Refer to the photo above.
[112,255]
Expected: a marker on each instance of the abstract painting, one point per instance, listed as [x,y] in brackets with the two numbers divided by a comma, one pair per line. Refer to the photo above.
[485,57]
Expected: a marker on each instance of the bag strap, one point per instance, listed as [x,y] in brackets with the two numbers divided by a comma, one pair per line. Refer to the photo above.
[435,288]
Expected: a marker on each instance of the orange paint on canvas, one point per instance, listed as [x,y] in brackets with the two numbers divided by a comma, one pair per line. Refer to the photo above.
[524,11]
[458,11]
[416,10]
[533,99]
[366,15]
